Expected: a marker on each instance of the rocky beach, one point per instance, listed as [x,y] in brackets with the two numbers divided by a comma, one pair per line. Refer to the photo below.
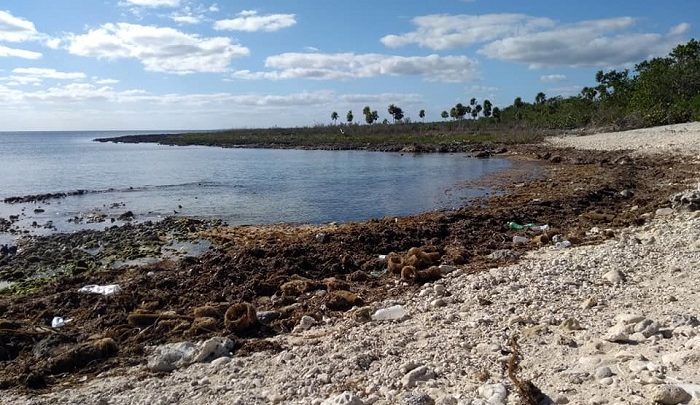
[470,306]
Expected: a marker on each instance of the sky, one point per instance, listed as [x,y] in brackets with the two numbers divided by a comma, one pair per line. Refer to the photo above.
[201,64]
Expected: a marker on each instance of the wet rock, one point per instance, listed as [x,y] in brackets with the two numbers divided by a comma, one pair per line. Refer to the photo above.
[127,216]
[268,316]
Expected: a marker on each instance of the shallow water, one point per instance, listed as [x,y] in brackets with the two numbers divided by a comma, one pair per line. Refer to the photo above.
[240,186]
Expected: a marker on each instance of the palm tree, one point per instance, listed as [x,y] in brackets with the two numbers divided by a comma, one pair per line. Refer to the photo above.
[497,113]
[472,101]
[487,108]
[349,117]
[421,114]
[518,102]
[444,114]
[540,98]
[334,116]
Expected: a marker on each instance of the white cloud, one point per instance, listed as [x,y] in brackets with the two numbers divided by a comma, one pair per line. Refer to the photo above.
[442,31]
[565,91]
[44,73]
[106,82]
[18,53]
[554,78]
[214,8]
[541,41]
[159,49]
[16,29]
[341,66]
[605,42]
[87,92]
[186,18]
[250,21]
[154,3]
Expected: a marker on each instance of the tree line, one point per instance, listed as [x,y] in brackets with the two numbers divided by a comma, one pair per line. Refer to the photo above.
[663,90]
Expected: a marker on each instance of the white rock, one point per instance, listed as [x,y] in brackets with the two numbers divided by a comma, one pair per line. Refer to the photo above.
[603,372]
[393,313]
[664,211]
[305,323]
[421,373]
[618,333]
[669,394]
[493,393]
[614,276]
[346,398]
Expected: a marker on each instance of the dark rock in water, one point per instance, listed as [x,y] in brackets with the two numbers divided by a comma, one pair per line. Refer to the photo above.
[39,210]
[127,216]
[483,154]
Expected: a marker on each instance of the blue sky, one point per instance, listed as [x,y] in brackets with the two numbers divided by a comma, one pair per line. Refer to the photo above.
[193,64]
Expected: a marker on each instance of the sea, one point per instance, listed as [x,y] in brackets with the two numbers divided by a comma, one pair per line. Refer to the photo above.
[238,186]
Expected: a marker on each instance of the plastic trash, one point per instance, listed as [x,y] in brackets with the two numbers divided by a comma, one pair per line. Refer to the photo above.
[563,244]
[109,289]
[520,240]
[59,322]
[389,314]
[518,227]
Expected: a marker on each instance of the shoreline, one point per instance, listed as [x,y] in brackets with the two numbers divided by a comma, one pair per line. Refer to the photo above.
[593,199]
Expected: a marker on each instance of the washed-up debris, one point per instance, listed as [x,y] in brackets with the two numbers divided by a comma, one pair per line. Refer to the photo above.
[393,313]
[109,289]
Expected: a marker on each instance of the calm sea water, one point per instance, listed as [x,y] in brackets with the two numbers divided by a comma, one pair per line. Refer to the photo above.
[240,186]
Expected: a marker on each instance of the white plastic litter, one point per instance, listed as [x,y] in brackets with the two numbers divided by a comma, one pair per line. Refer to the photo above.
[59,322]
[109,289]
[390,314]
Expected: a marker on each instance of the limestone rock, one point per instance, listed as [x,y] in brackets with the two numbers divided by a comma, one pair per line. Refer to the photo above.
[669,394]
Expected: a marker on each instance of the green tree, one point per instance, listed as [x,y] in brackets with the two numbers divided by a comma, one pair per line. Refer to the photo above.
[370,116]
[421,114]
[518,103]
[334,116]
[395,112]
[472,102]
[487,108]
[497,114]
[589,93]
[540,98]
[453,113]
[461,111]
[349,117]
[444,114]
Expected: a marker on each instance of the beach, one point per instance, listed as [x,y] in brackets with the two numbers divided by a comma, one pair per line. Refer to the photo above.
[509,316]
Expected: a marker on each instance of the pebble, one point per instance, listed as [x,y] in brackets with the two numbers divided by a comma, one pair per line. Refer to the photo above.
[421,373]
[614,277]
[494,393]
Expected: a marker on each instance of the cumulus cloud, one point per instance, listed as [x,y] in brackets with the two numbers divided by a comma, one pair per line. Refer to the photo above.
[342,66]
[443,31]
[153,3]
[554,78]
[605,42]
[16,29]
[18,53]
[540,41]
[159,49]
[186,18]
[250,21]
